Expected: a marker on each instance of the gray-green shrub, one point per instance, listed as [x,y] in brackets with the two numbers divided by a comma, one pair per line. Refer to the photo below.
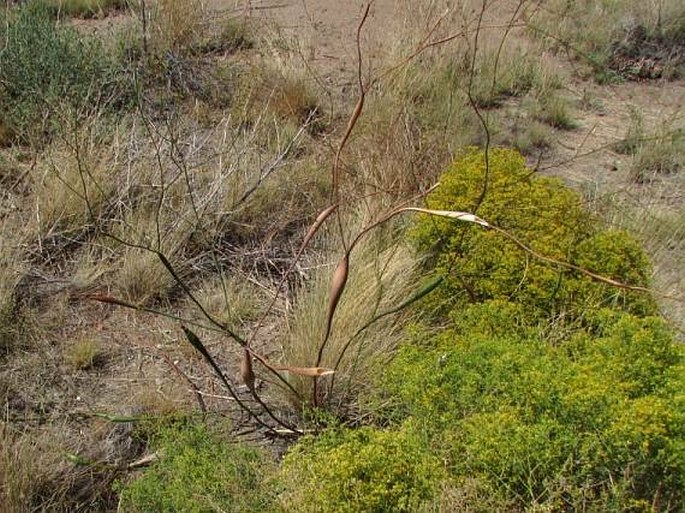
[46,68]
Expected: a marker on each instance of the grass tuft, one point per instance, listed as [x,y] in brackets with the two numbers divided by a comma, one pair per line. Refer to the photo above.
[233,301]
[634,41]
[634,137]
[555,111]
[84,354]
[141,278]
[659,156]
[176,25]
[381,277]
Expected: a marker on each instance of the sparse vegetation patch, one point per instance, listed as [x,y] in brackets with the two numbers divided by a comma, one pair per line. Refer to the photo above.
[284,267]
[635,41]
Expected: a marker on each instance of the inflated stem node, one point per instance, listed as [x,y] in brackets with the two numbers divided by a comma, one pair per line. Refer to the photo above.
[337,287]
[246,371]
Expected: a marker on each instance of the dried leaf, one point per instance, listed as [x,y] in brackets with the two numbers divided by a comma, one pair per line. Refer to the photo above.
[312,372]
[452,214]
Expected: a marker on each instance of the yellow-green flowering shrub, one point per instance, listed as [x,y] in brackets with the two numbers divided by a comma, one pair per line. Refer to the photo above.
[481,264]
[364,470]
[617,255]
[593,422]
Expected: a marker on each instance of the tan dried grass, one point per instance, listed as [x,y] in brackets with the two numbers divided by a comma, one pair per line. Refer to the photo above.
[382,274]
[176,24]
[27,462]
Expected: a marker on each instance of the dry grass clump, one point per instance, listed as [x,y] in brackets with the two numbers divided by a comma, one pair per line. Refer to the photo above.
[382,276]
[635,40]
[662,232]
[530,136]
[292,100]
[286,94]
[24,463]
[233,300]
[53,469]
[8,318]
[167,190]
[36,473]
[190,27]
[634,136]
[161,400]
[178,54]
[660,155]
[555,111]
[435,105]
[296,190]
[90,266]
[499,75]
[221,34]
[84,354]
[14,328]
[6,134]
[141,278]
[656,153]
[75,187]
[175,24]
[412,121]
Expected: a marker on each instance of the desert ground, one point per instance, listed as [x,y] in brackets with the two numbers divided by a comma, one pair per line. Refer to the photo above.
[318,91]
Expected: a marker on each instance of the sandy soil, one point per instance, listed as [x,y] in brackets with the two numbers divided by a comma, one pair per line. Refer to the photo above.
[328,29]
[325,29]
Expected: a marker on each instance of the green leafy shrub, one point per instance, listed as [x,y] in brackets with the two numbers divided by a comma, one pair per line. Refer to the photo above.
[45,67]
[542,213]
[200,471]
[363,470]
[595,422]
